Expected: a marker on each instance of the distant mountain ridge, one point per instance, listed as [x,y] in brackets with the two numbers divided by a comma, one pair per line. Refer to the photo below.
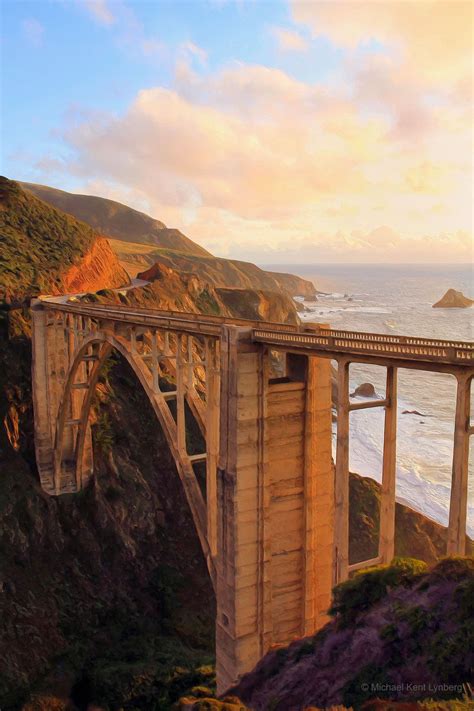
[141,242]
[116,220]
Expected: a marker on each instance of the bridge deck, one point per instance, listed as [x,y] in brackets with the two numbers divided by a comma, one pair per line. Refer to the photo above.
[332,343]
[371,347]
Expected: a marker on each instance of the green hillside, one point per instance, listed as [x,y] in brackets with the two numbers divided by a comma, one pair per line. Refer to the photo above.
[38,243]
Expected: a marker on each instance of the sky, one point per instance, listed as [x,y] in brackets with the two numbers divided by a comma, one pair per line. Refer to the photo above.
[274,131]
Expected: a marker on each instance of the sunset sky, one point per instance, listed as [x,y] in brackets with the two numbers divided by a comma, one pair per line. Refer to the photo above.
[271,131]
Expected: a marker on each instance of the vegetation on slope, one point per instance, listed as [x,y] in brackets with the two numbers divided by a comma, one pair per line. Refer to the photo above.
[399,632]
[116,220]
[38,242]
[39,245]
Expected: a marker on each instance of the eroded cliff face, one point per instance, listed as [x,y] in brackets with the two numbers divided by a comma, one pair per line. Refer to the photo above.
[98,269]
[228,273]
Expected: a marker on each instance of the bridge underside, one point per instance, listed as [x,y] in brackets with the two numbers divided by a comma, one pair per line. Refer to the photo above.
[274,520]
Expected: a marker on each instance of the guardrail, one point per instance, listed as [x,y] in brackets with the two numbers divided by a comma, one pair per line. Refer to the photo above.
[279,334]
[119,312]
[403,347]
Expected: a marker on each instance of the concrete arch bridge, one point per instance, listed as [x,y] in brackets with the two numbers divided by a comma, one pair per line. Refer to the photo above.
[273,521]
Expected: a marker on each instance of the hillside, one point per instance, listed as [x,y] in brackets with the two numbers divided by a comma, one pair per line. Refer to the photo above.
[231,273]
[398,632]
[116,220]
[46,251]
[174,290]
[139,241]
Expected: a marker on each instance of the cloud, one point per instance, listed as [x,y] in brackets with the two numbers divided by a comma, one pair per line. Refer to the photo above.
[432,37]
[33,31]
[289,40]
[248,155]
[100,10]
[189,49]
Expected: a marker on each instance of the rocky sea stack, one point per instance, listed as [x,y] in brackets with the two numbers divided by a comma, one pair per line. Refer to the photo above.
[453,300]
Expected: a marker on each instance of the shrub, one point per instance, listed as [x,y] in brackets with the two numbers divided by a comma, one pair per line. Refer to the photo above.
[369,586]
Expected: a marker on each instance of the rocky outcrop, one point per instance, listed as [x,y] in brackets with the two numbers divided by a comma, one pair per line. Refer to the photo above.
[295,285]
[453,300]
[258,305]
[172,290]
[229,273]
[364,390]
[98,269]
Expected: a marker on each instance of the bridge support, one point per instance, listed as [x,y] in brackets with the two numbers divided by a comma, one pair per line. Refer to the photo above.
[458,503]
[275,504]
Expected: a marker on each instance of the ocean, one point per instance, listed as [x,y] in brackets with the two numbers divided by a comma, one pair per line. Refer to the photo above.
[398,299]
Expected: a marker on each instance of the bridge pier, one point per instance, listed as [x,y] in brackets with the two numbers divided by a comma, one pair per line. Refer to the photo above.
[275,503]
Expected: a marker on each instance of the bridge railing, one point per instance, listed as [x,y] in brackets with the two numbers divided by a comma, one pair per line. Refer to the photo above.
[129,313]
[395,339]
[403,347]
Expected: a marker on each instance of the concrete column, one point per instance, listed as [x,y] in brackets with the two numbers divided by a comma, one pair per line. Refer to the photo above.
[318,496]
[41,401]
[341,532]
[239,610]
[387,499]
[275,501]
[458,504]
[212,414]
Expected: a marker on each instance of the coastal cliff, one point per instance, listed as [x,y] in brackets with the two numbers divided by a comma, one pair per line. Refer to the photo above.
[140,241]
[172,290]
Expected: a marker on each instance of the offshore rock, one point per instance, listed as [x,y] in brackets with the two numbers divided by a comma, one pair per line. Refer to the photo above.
[453,300]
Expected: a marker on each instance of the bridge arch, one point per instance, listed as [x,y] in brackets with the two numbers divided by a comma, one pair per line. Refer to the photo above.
[72,438]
